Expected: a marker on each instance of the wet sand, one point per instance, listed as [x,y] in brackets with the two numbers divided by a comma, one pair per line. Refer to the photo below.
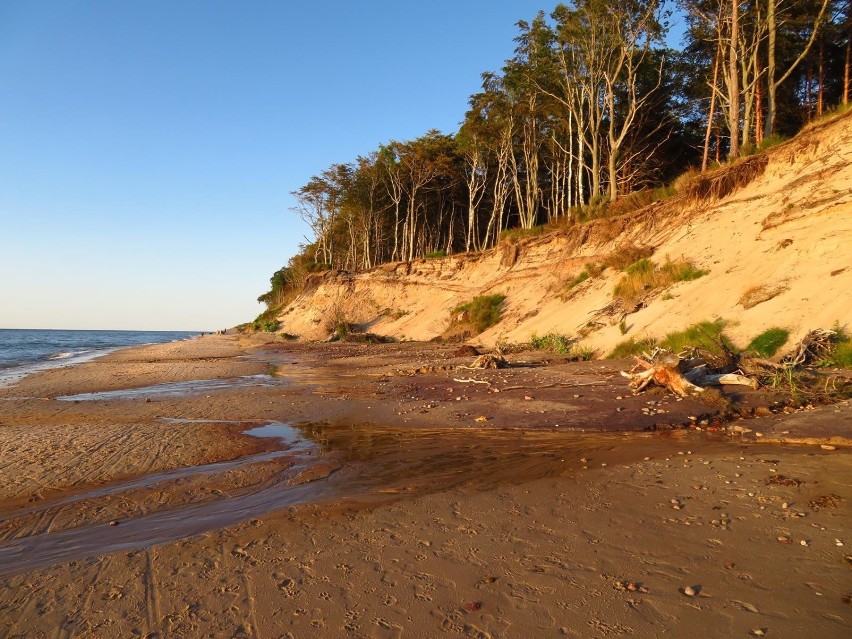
[397,494]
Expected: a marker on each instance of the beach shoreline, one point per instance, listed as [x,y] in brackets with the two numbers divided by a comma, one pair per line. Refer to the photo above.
[539,500]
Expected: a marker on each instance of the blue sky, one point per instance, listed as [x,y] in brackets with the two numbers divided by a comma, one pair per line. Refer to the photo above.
[147,149]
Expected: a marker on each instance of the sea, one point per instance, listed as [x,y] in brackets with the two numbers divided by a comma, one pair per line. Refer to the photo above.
[24,351]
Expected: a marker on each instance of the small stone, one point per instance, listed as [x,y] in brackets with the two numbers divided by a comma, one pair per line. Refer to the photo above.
[803,542]
[689,591]
[785,505]
[528,397]
[827,447]
[114,522]
[758,632]
[837,542]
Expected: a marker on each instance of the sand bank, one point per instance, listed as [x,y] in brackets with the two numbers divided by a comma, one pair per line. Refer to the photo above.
[407,503]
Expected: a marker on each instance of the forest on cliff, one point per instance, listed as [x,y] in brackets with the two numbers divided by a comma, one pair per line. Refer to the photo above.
[593,115]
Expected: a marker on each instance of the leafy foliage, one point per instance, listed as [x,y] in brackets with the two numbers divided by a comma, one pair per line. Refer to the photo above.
[705,336]
[552,342]
[769,341]
[644,277]
[632,346]
[481,312]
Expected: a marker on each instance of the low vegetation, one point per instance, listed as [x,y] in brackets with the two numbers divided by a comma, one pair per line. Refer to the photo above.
[581,277]
[841,352]
[632,346]
[626,255]
[769,341]
[707,337]
[562,344]
[266,322]
[645,277]
[552,342]
[479,314]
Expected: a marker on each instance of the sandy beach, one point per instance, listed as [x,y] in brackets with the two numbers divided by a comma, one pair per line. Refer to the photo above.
[233,487]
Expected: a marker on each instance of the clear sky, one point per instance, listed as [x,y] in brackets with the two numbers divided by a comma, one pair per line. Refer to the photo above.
[148,149]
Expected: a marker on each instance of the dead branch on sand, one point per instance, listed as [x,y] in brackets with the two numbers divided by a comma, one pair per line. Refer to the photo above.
[680,376]
[487,361]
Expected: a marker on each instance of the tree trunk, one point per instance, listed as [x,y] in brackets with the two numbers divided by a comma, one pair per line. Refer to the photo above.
[821,76]
[712,111]
[734,85]
[771,86]
[846,67]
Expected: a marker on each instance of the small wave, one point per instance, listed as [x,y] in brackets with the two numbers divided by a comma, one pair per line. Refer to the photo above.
[65,355]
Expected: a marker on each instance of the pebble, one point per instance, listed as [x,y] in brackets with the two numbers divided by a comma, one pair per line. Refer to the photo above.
[689,591]
[758,632]
[837,542]
[785,505]
[115,522]
[803,542]
[827,447]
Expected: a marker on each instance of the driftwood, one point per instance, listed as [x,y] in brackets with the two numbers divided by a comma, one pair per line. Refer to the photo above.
[488,361]
[816,345]
[702,377]
[682,377]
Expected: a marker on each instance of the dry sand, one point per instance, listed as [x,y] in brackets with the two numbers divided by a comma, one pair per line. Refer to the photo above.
[393,511]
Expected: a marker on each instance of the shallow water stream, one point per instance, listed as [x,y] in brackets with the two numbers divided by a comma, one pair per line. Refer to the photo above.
[341,465]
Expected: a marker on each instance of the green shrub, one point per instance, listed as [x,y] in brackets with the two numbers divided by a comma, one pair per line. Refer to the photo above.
[771,140]
[644,277]
[517,233]
[481,312]
[266,322]
[682,271]
[433,254]
[576,281]
[632,346]
[627,255]
[553,342]
[842,355]
[704,335]
[769,341]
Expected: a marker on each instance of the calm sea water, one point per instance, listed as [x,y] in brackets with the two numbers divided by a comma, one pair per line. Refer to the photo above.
[23,351]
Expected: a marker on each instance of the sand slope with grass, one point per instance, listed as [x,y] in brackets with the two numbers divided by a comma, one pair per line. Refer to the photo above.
[765,243]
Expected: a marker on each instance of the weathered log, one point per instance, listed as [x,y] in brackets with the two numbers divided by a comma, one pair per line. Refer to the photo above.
[701,377]
[488,361]
[682,377]
[816,345]
[663,375]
